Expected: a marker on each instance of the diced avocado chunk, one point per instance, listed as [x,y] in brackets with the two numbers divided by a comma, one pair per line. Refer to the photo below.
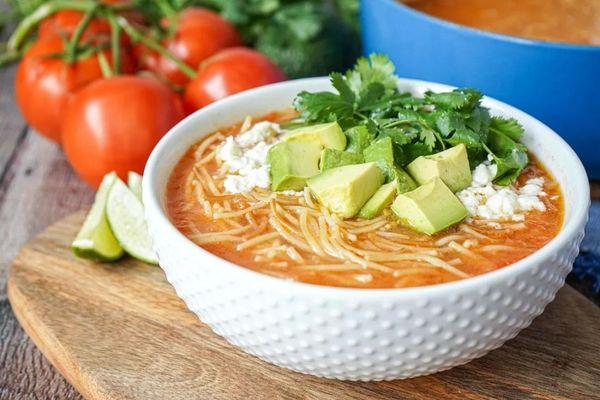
[344,190]
[328,135]
[429,208]
[358,138]
[331,158]
[451,166]
[292,163]
[382,198]
[382,152]
[404,183]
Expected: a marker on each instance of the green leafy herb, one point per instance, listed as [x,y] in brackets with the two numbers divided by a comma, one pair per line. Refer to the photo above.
[464,98]
[377,69]
[367,100]
[510,157]
[304,37]
[508,126]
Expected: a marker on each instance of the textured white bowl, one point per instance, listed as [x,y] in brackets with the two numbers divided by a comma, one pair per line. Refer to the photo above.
[352,333]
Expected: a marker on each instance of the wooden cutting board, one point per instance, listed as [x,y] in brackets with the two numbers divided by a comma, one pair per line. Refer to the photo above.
[118,331]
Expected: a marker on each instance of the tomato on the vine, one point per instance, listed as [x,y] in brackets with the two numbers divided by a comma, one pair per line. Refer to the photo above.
[114,123]
[230,71]
[64,23]
[44,81]
[198,34]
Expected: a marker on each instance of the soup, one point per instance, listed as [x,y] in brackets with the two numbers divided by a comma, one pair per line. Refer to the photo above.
[368,186]
[290,235]
[570,21]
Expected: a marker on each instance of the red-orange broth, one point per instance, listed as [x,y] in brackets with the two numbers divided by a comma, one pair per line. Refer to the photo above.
[389,256]
[569,21]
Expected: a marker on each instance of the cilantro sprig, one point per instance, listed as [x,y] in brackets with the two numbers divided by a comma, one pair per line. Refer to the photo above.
[368,96]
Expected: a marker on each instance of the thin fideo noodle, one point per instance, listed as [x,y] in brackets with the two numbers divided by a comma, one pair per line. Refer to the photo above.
[291,236]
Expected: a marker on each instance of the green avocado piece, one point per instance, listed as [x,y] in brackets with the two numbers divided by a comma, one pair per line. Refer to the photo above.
[358,139]
[292,163]
[429,208]
[404,183]
[331,158]
[382,198]
[451,166]
[344,190]
[382,152]
[328,135]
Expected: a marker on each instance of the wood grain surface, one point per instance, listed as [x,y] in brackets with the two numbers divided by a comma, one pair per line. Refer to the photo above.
[118,331]
[37,187]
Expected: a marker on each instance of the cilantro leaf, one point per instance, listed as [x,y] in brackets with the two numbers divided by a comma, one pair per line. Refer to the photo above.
[373,92]
[508,126]
[410,152]
[464,98]
[400,135]
[479,120]
[448,122]
[510,157]
[428,137]
[408,115]
[338,82]
[376,68]
[322,107]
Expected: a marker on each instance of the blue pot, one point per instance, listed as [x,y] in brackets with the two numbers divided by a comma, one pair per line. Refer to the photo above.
[557,83]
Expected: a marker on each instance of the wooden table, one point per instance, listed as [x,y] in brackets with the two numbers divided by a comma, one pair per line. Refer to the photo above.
[37,187]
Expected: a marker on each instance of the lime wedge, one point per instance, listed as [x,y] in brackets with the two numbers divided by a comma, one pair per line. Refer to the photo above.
[125,214]
[95,240]
[134,181]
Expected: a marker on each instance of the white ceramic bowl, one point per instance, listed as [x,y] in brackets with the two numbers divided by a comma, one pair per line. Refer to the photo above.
[361,334]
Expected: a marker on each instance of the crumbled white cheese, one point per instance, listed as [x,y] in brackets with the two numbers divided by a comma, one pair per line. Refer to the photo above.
[484,174]
[485,200]
[258,177]
[244,157]
[263,131]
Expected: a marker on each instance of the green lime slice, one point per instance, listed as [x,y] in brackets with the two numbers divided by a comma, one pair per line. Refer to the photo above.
[134,181]
[95,240]
[125,214]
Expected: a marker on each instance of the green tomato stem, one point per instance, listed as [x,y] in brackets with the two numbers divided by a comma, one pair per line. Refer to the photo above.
[42,12]
[156,46]
[107,72]
[396,123]
[9,57]
[73,43]
[170,13]
[115,43]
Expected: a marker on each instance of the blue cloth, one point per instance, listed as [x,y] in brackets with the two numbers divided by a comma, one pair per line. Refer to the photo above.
[587,264]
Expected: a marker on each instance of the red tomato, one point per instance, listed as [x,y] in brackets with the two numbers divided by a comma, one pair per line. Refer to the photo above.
[43,83]
[147,59]
[65,22]
[113,124]
[199,34]
[228,72]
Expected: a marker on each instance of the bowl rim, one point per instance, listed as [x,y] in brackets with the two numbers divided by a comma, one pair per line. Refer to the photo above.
[518,40]
[570,229]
